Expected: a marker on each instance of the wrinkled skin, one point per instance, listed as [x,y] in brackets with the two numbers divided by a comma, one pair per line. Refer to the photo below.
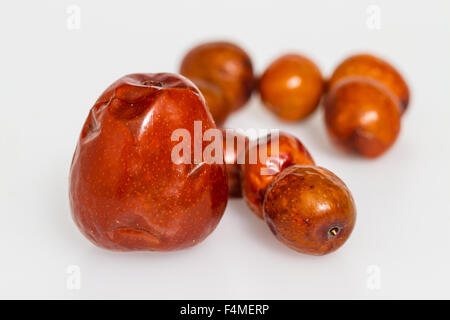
[125,191]
[225,67]
[362,116]
[310,210]
[236,147]
[367,65]
[256,177]
[291,87]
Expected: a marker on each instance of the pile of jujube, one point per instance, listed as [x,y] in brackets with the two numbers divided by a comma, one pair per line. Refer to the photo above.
[127,193]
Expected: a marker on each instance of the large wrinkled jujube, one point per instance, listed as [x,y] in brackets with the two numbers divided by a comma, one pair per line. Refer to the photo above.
[126,192]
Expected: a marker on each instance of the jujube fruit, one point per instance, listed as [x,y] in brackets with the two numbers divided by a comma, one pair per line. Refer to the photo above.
[126,192]
[362,116]
[257,175]
[224,74]
[309,209]
[234,145]
[367,65]
[215,99]
[291,87]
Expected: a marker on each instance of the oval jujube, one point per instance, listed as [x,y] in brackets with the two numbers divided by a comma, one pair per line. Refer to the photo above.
[362,116]
[258,173]
[291,87]
[226,67]
[309,209]
[367,65]
[126,190]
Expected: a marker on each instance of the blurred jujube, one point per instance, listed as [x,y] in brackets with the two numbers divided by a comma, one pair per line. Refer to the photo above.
[224,74]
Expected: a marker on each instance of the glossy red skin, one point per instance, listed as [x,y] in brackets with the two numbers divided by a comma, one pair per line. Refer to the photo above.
[225,66]
[362,116]
[254,184]
[303,204]
[125,191]
[291,87]
[367,65]
[231,155]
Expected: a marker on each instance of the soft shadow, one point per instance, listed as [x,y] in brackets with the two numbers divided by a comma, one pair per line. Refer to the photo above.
[258,228]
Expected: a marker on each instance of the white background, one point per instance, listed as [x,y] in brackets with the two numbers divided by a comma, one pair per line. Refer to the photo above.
[51,75]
